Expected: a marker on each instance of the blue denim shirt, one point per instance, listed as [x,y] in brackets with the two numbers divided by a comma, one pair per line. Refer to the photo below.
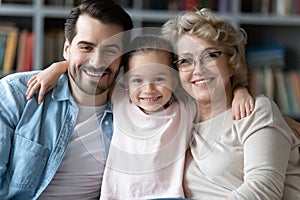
[34,138]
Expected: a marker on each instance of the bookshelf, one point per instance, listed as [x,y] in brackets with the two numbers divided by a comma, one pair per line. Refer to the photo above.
[265,25]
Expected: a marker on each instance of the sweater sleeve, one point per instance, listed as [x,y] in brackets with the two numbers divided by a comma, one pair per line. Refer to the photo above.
[267,143]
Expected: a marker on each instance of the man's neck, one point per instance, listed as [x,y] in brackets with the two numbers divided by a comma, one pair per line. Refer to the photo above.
[84,99]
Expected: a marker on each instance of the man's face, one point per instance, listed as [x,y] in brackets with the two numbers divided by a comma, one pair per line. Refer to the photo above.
[94,56]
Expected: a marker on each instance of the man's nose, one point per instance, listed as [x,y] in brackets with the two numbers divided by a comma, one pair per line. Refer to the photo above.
[96,59]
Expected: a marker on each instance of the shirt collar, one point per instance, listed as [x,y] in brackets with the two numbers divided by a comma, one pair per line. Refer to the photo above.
[61,91]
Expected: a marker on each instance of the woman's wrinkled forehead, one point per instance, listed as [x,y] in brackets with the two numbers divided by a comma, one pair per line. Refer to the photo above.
[194,44]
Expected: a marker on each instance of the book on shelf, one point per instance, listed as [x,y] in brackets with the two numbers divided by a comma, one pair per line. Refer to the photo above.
[215,5]
[191,4]
[28,56]
[282,98]
[25,51]
[223,6]
[21,50]
[59,2]
[277,7]
[283,86]
[155,4]
[17,1]
[294,77]
[2,48]
[53,43]
[269,75]
[10,50]
[9,33]
[269,82]
[272,55]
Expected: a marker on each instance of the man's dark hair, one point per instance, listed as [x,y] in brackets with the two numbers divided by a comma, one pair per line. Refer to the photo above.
[105,11]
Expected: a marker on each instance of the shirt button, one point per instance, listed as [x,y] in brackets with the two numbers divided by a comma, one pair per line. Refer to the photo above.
[106,123]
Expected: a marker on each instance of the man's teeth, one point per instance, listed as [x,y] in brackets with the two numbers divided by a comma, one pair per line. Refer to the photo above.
[94,73]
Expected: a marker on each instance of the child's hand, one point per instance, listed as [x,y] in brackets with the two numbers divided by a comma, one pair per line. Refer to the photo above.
[294,125]
[45,80]
[242,103]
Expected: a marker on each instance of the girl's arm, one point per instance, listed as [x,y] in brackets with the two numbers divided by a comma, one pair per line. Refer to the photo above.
[46,80]
[242,103]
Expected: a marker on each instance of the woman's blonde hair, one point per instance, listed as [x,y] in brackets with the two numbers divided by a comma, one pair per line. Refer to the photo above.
[205,24]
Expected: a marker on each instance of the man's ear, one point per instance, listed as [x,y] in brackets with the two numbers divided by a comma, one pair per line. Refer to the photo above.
[66,51]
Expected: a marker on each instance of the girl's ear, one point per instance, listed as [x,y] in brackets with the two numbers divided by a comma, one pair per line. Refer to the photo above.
[124,82]
[66,51]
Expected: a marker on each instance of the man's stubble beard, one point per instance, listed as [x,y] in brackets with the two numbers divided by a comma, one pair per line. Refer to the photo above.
[93,88]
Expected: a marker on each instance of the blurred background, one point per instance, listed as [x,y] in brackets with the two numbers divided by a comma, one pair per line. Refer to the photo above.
[32,37]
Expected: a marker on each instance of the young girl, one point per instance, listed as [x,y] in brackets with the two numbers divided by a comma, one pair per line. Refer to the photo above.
[152,126]
[153,119]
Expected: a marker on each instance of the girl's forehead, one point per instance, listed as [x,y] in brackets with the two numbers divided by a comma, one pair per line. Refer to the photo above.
[150,69]
[151,58]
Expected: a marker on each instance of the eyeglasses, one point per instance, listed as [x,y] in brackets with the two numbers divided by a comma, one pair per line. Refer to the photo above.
[188,63]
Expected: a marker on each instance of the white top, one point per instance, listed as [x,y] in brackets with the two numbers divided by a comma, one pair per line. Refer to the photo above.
[80,174]
[245,159]
[147,152]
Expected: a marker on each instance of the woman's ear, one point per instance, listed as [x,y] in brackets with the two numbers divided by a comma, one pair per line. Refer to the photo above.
[231,70]
[66,51]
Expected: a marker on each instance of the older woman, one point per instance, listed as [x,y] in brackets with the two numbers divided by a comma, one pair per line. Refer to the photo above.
[256,157]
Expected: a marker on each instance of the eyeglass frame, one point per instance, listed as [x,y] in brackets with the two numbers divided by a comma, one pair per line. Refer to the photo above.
[193,62]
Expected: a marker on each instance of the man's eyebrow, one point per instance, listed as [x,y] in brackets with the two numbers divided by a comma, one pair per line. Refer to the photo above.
[86,43]
[105,45]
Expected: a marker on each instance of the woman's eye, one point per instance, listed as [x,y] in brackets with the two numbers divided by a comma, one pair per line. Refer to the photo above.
[185,61]
[211,55]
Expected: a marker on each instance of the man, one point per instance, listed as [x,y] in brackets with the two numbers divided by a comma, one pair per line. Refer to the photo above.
[56,150]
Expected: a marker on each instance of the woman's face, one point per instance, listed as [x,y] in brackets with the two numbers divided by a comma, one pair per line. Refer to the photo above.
[203,69]
[150,80]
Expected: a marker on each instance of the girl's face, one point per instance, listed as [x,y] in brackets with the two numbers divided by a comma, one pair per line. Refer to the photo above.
[150,80]
[203,69]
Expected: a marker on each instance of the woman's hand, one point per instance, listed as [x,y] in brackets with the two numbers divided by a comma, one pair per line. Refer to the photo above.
[294,125]
[45,80]
[242,103]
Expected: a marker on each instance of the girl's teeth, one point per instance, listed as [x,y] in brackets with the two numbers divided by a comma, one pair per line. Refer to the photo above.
[149,99]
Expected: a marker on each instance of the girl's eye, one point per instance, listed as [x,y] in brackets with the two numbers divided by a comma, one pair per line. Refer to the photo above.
[159,79]
[136,81]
